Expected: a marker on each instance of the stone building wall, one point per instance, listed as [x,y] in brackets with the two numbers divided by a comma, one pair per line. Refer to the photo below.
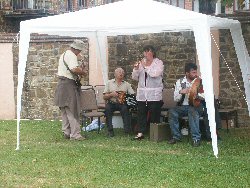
[174,49]
[41,75]
[230,95]
[40,80]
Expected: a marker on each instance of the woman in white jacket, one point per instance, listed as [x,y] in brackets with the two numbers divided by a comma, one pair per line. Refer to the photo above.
[149,73]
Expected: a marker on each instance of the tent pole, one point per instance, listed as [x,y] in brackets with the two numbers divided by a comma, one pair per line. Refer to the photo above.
[203,46]
[101,46]
[23,53]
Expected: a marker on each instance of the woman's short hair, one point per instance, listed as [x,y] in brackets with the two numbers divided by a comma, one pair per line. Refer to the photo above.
[148,48]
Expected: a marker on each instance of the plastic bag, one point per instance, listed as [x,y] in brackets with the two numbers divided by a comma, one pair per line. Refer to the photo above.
[93,126]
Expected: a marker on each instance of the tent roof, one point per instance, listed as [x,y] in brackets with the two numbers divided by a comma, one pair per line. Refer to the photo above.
[124,17]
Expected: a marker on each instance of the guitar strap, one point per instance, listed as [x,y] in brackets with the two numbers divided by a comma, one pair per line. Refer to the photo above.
[66,65]
[75,76]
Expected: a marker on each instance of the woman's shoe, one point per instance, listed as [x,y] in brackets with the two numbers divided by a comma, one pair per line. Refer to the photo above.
[138,137]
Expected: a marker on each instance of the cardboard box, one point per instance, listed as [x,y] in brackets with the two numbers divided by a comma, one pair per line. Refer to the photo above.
[160,132]
[231,124]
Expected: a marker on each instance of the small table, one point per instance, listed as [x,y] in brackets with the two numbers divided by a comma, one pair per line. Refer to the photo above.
[226,114]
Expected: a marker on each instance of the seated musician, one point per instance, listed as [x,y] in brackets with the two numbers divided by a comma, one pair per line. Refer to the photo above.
[182,95]
[114,94]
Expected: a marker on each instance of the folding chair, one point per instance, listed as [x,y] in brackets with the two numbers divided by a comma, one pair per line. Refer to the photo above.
[89,107]
[99,96]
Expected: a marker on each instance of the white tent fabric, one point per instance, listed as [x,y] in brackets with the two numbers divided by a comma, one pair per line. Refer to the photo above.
[131,17]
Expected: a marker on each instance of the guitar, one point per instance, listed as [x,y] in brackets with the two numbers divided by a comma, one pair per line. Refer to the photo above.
[77,78]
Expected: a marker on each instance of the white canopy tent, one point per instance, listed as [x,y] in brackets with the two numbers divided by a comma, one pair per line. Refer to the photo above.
[130,17]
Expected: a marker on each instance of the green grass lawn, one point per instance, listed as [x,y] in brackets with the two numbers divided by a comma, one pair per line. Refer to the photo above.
[45,159]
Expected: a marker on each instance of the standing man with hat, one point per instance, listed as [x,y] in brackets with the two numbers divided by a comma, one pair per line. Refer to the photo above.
[67,95]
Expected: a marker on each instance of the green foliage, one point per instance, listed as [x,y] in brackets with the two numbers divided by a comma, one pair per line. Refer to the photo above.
[46,159]
[229,3]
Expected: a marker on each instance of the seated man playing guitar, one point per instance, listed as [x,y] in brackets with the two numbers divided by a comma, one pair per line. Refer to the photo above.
[115,93]
[188,93]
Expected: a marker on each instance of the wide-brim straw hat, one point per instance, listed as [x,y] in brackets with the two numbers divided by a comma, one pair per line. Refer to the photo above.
[78,45]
